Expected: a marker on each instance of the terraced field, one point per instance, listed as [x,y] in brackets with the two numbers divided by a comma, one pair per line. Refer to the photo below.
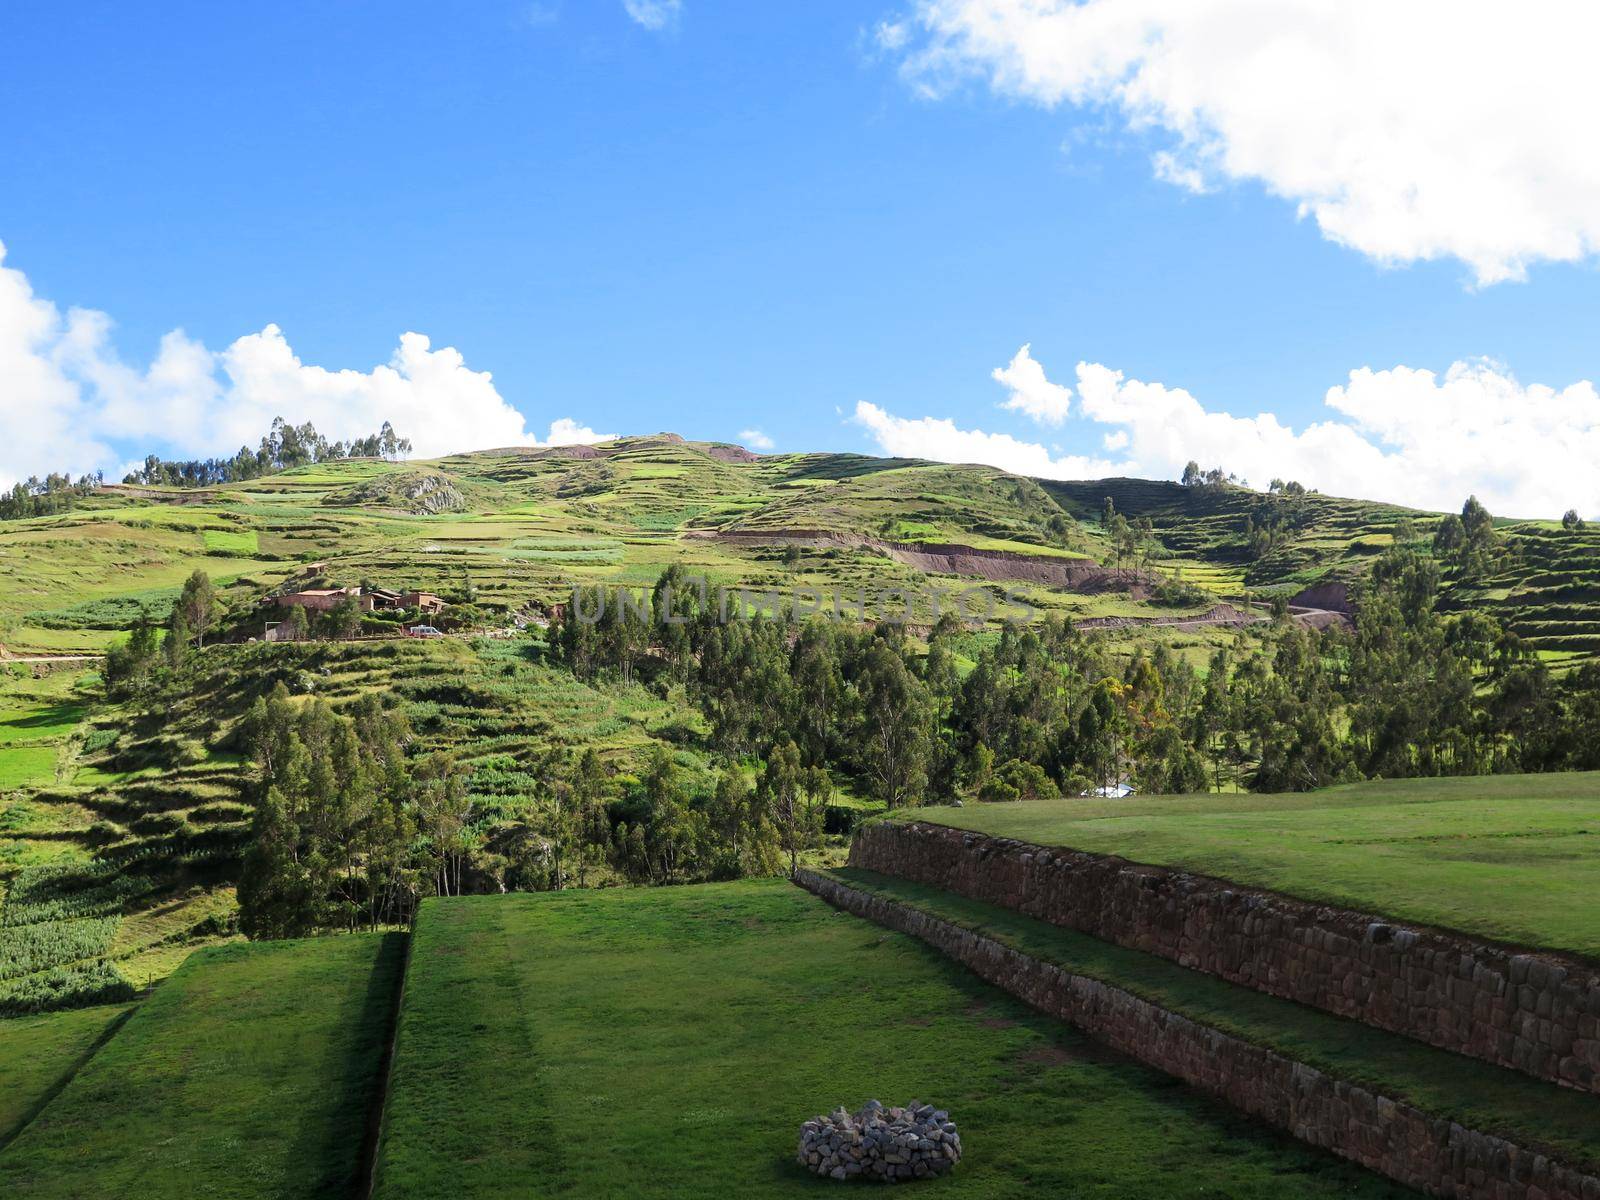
[1511,858]
[250,1073]
[39,1055]
[1548,591]
[676,1038]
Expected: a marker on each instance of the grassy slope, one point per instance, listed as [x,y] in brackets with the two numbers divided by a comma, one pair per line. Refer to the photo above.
[535,520]
[1505,857]
[38,1055]
[1461,1089]
[669,1042]
[249,1074]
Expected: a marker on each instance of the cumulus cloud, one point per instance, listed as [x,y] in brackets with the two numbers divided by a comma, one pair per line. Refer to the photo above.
[654,14]
[1031,393]
[1404,435]
[68,402]
[943,441]
[1424,130]
[755,439]
[564,431]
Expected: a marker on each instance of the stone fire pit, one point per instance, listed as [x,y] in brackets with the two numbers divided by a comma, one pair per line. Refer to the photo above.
[892,1144]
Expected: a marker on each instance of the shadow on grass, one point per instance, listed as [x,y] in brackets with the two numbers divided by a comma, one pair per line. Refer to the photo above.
[356,1077]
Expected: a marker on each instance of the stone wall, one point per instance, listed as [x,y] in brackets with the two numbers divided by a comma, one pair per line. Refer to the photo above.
[1394,1139]
[1537,1013]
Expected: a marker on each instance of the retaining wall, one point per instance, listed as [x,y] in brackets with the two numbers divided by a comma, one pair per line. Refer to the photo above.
[1536,1013]
[1433,1155]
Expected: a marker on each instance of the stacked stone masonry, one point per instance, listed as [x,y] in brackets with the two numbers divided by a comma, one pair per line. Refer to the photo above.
[1435,1156]
[1536,1013]
[917,1141]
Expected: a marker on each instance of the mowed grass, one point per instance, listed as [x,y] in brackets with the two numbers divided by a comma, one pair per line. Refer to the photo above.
[39,1054]
[1511,857]
[250,1073]
[669,1042]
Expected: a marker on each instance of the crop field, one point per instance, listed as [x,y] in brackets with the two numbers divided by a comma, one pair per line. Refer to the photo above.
[671,1041]
[248,1074]
[1511,857]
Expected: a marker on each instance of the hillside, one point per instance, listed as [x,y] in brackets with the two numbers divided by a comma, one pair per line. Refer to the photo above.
[129,815]
[518,527]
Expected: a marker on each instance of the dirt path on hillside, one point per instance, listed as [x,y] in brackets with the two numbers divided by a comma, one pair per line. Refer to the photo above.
[1075,574]
[48,658]
[948,558]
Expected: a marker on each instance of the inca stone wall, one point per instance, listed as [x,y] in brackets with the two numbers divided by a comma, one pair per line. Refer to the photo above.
[1536,1013]
[1433,1155]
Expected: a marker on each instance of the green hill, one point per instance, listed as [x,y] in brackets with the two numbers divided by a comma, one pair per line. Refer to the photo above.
[154,790]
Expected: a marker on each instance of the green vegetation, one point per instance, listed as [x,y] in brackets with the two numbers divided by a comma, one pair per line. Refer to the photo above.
[249,1074]
[640,751]
[1504,857]
[57,928]
[671,1041]
[1451,1086]
[39,1054]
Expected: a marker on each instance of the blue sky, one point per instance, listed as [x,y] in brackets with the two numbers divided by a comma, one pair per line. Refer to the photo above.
[755,216]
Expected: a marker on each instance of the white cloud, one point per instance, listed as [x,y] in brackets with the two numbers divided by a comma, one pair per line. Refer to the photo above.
[1402,435]
[1031,393]
[942,441]
[1408,131]
[68,402]
[755,439]
[654,14]
[892,35]
[566,432]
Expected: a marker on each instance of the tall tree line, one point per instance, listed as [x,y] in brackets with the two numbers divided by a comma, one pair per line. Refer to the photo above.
[1045,710]
[283,447]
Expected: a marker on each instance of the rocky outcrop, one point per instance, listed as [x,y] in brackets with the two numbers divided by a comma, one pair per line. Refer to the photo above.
[1331,596]
[1534,1012]
[1436,1156]
[421,492]
[893,1144]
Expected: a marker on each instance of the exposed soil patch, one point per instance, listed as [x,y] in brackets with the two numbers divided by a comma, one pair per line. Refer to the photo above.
[942,558]
[731,453]
[1048,1055]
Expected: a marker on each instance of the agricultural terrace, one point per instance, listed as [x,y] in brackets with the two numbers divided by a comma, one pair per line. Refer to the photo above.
[1508,857]
[39,1054]
[670,1041]
[249,1074]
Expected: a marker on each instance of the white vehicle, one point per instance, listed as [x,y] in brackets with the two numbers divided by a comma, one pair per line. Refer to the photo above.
[1112,791]
[424,631]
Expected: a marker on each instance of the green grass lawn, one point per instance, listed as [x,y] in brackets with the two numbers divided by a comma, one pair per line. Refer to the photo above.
[1511,857]
[248,1074]
[1473,1093]
[668,1042]
[39,1054]
[26,766]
